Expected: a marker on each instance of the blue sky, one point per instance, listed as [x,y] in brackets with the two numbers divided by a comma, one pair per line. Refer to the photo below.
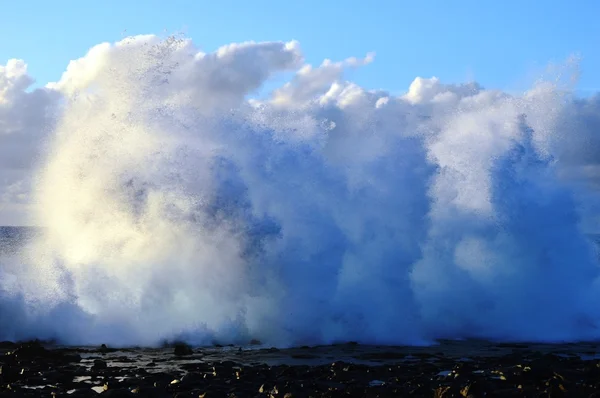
[501,44]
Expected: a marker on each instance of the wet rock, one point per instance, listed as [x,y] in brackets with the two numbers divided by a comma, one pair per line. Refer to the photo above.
[31,350]
[7,345]
[443,392]
[473,390]
[394,372]
[117,393]
[99,364]
[192,380]
[72,358]
[182,349]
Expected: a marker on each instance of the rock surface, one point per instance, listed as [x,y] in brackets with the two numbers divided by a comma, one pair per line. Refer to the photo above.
[451,369]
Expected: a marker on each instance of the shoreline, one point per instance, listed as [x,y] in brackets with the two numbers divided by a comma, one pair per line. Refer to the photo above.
[451,368]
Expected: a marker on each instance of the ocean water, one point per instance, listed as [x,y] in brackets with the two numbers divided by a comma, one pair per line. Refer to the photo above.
[175,206]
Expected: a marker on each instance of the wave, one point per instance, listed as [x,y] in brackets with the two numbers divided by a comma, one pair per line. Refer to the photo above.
[176,206]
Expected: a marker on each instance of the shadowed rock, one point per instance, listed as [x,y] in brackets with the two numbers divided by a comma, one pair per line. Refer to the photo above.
[30,369]
[181,349]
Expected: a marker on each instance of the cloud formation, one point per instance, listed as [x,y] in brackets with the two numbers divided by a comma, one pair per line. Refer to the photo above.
[326,212]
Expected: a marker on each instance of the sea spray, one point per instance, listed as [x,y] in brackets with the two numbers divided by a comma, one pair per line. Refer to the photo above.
[175,206]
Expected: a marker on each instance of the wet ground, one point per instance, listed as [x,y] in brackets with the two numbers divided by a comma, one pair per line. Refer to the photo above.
[450,369]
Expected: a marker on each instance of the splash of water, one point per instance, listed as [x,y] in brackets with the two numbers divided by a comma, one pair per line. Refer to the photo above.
[175,206]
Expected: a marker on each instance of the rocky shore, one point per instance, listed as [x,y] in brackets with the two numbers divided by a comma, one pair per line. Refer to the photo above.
[451,369]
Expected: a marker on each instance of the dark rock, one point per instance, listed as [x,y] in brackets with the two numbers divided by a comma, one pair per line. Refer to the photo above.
[192,380]
[473,390]
[31,350]
[136,373]
[82,393]
[117,393]
[182,349]
[99,364]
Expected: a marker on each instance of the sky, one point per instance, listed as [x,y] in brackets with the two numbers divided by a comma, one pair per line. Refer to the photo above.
[500,44]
